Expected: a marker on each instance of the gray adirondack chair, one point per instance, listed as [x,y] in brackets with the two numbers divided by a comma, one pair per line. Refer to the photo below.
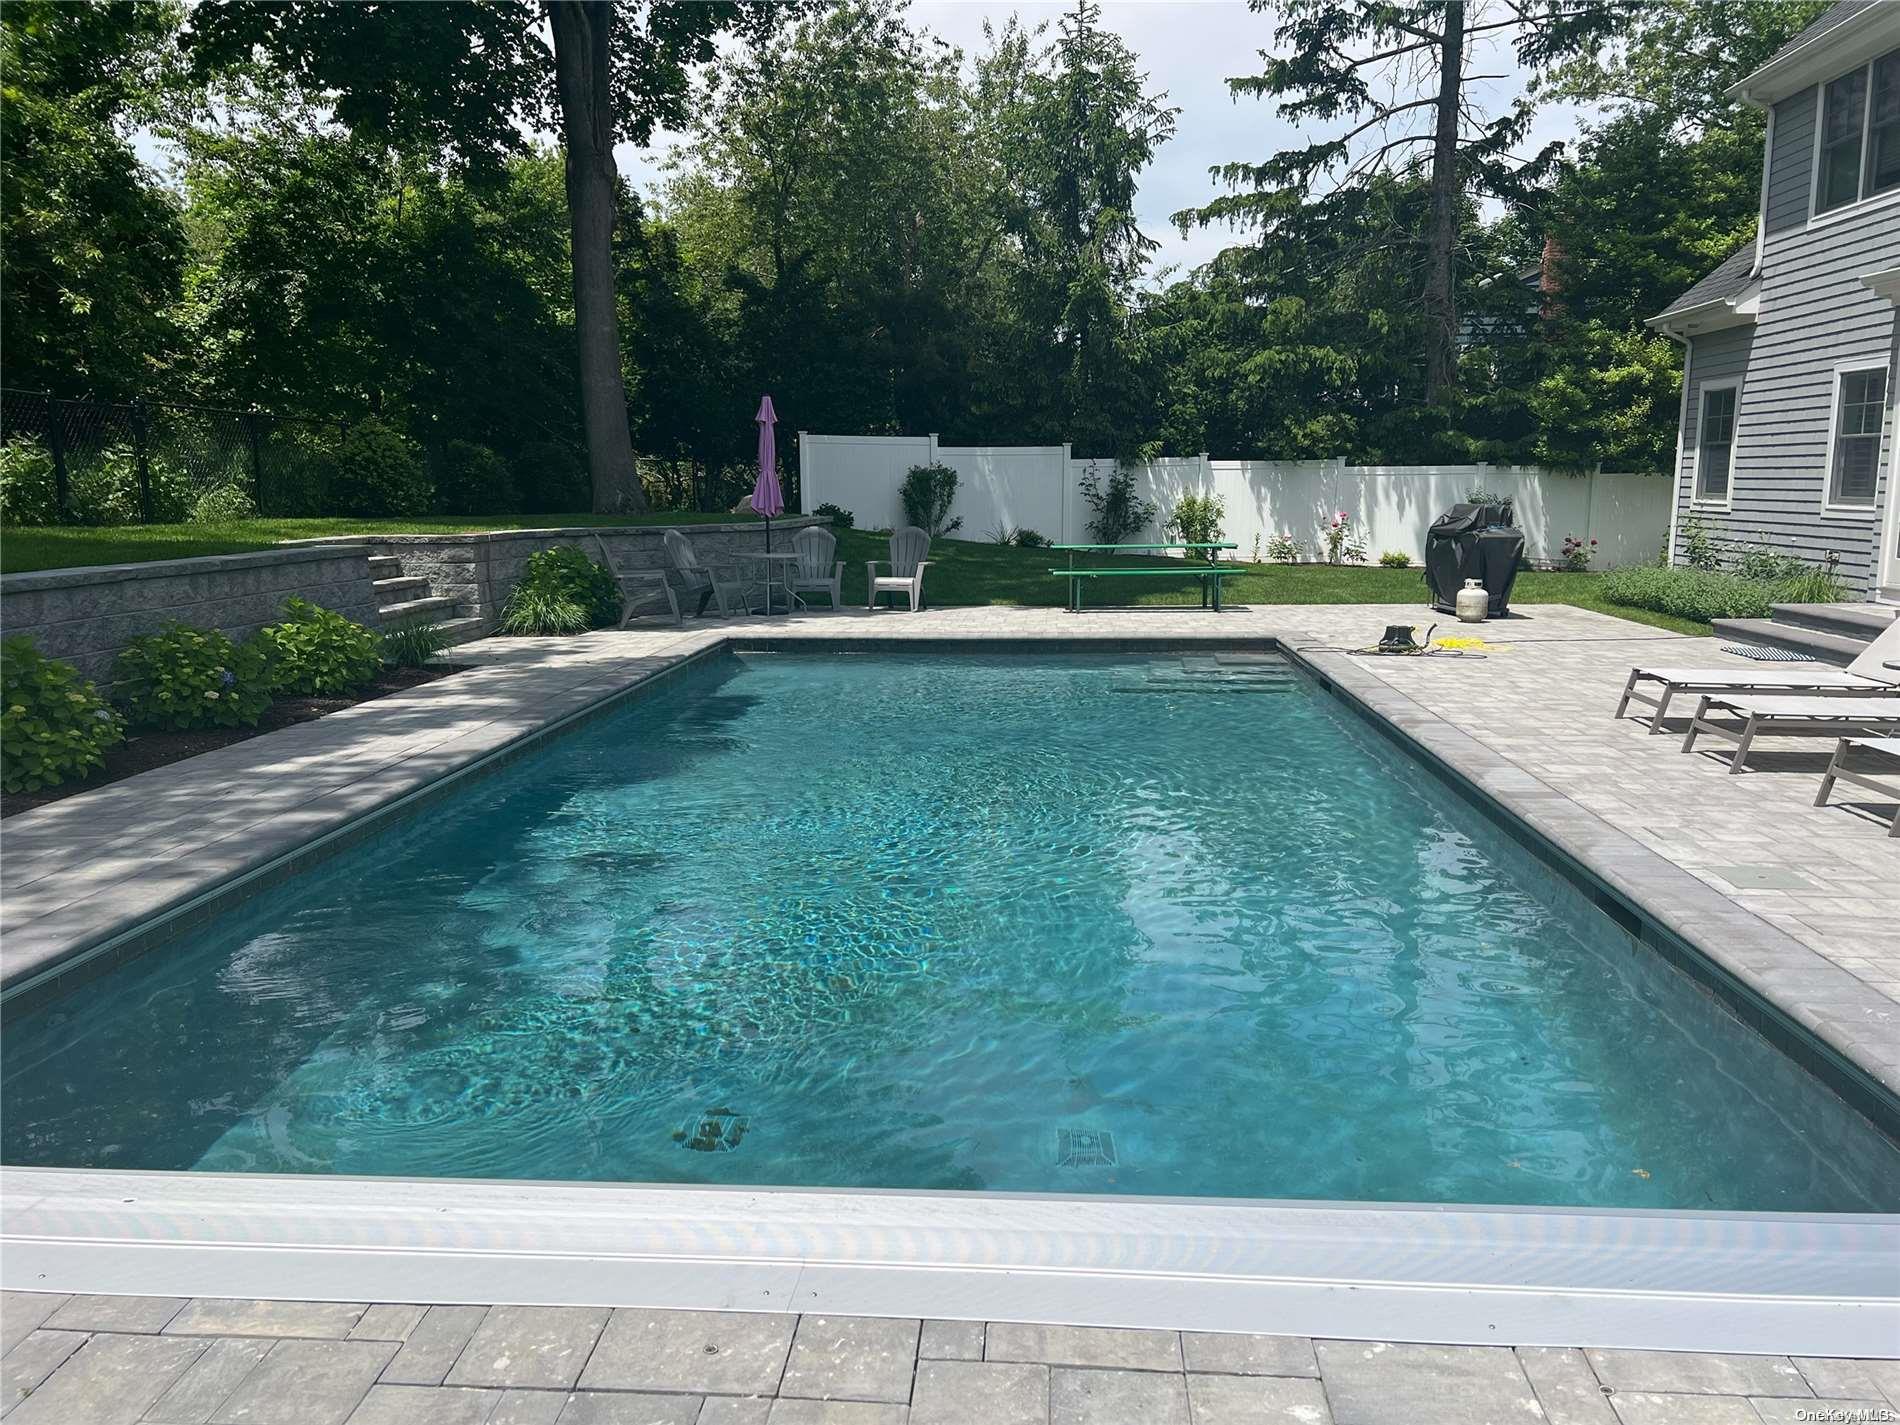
[816,572]
[688,575]
[638,585]
[910,556]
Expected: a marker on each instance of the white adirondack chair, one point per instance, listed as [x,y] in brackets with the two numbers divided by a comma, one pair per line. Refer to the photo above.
[708,581]
[816,572]
[910,556]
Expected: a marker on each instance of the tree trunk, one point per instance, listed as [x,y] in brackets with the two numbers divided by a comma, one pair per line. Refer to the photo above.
[582,48]
[1441,302]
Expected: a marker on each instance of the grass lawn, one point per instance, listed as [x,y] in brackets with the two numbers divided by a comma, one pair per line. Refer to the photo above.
[962,572]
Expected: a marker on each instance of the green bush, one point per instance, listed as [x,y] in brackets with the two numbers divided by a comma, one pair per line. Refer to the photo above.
[412,645]
[54,726]
[1029,539]
[1698,594]
[183,677]
[299,468]
[222,504]
[561,590]
[1117,510]
[27,493]
[840,517]
[928,492]
[471,479]
[1196,519]
[316,652]
[552,479]
[379,472]
[1395,559]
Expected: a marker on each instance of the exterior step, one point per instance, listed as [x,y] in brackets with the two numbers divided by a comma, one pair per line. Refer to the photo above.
[1827,647]
[433,608]
[462,630]
[383,565]
[401,584]
[1863,621]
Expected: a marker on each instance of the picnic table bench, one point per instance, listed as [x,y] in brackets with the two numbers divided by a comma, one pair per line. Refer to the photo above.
[1209,570]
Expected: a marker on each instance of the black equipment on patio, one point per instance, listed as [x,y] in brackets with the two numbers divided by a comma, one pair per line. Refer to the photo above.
[1473,542]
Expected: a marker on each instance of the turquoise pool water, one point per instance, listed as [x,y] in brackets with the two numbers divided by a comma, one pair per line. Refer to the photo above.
[1164,925]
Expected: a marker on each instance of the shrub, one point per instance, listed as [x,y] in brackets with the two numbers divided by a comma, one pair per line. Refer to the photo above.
[183,677]
[552,479]
[1196,519]
[27,490]
[471,479]
[379,472]
[928,492]
[1344,543]
[1029,539]
[1577,553]
[1284,549]
[561,590]
[54,726]
[1700,548]
[1762,563]
[1395,559]
[299,469]
[840,517]
[222,504]
[1118,510]
[316,652]
[412,645]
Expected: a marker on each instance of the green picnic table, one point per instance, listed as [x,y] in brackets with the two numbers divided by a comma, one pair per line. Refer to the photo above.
[1210,571]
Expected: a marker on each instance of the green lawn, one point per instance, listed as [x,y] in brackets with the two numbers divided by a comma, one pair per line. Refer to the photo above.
[962,572]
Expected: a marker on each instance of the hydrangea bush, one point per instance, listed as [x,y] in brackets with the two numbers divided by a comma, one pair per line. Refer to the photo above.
[182,678]
[316,652]
[54,726]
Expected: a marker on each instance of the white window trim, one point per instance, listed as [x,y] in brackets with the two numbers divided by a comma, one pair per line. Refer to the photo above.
[1830,508]
[1856,205]
[1726,500]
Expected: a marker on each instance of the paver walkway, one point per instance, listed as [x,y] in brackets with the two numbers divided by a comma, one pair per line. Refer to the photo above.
[97,1360]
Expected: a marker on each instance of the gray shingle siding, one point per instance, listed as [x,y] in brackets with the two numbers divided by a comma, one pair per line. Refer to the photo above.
[1791,165]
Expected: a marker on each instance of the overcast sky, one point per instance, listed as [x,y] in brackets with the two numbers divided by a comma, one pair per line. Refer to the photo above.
[1188,48]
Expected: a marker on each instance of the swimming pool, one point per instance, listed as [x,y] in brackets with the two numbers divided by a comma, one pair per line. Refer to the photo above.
[1172,926]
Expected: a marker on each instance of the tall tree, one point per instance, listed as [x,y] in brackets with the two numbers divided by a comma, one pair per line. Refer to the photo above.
[1400,76]
[472,80]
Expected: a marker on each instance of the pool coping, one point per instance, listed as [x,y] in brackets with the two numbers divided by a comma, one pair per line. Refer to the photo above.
[1761,973]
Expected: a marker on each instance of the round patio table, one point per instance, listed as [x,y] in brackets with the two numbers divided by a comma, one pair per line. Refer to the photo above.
[775,573]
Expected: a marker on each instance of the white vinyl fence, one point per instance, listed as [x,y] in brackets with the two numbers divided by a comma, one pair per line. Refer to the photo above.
[1039,487]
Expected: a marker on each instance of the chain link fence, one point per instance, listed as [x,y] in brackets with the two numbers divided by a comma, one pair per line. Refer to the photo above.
[155,462]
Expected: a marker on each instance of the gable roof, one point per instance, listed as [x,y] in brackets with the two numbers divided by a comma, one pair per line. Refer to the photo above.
[1846,33]
[1731,279]
[1835,14]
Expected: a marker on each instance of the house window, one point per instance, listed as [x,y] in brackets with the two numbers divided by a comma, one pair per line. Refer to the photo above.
[1716,445]
[1860,399]
[1859,152]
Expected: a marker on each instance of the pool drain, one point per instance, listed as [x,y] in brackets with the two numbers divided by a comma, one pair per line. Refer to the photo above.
[1084,1148]
[716,1132]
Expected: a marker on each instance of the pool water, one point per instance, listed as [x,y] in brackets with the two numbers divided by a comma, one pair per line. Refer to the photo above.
[1163,925]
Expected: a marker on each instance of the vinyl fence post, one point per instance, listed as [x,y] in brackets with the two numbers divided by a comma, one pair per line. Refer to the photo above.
[56,447]
[142,455]
[257,460]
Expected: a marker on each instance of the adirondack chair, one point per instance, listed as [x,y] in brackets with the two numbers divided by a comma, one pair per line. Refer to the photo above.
[910,556]
[710,582]
[816,571]
[637,585]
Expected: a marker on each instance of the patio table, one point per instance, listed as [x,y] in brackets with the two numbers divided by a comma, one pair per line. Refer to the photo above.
[775,573]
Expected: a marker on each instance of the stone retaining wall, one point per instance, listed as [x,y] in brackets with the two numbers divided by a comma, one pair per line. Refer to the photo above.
[478,570]
[87,615]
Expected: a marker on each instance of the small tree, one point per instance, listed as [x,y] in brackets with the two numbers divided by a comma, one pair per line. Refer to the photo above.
[929,491]
[1196,519]
[1119,511]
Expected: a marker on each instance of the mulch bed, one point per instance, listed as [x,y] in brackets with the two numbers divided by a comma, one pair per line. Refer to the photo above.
[143,751]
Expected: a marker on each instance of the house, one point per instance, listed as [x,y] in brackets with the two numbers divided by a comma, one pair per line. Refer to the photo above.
[1787,434]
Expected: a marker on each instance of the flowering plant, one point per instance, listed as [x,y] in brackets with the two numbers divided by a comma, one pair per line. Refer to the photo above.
[1344,543]
[1577,553]
[1283,549]
[316,652]
[183,677]
[54,726]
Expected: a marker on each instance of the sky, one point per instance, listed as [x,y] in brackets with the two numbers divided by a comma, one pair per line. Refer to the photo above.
[1188,48]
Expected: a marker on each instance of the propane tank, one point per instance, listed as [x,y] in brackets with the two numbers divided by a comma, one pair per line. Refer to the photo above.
[1473,603]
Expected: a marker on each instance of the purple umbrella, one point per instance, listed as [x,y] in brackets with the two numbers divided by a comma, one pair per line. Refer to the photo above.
[767,498]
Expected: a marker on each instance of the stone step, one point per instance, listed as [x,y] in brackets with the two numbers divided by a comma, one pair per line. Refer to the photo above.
[401,584]
[462,630]
[433,609]
[1827,647]
[381,565]
[1863,621]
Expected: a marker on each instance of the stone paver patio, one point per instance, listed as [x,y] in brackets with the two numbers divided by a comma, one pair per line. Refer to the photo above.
[90,1360]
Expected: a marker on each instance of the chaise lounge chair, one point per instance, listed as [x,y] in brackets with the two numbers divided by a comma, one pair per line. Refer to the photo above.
[910,556]
[1858,717]
[1837,771]
[1876,672]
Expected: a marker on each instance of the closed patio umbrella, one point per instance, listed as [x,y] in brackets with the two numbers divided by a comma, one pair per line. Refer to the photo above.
[767,498]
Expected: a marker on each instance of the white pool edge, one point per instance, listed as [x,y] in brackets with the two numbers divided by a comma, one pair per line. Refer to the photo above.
[1774,1283]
